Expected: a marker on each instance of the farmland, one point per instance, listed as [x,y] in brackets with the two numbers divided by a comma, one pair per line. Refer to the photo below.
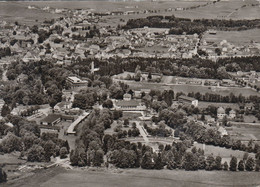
[57,177]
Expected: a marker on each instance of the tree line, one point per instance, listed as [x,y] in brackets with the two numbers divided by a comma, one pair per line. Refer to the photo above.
[180,25]
[25,137]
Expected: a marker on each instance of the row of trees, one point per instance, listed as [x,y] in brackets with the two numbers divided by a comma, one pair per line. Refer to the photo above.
[231,98]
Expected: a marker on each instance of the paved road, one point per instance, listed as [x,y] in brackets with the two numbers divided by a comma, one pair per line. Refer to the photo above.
[142,132]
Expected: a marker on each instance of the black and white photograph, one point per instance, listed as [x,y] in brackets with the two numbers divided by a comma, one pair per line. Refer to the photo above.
[130,93]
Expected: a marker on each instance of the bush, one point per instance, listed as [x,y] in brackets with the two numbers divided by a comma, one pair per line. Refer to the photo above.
[63,152]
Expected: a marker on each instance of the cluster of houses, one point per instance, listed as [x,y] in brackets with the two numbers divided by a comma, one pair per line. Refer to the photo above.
[215,49]
[251,77]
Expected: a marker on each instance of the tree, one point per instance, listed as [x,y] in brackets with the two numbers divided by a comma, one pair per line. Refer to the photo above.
[5,110]
[241,165]
[108,104]
[52,103]
[250,164]
[63,152]
[123,158]
[36,154]
[49,148]
[147,162]
[210,163]
[225,166]
[158,164]
[233,164]
[149,76]
[99,158]
[218,163]
[3,176]
[190,161]
[126,122]
[11,143]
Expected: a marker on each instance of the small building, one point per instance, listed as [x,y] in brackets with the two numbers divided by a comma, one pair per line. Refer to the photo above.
[51,120]
[232,114]
[188,100]
[221,113]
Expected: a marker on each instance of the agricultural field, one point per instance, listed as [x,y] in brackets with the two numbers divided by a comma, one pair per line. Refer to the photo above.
[223,10]
[244,132]
[57,177]
[234,37]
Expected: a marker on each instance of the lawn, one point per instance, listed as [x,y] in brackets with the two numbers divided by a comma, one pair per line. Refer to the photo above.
[56,177]
[223,152]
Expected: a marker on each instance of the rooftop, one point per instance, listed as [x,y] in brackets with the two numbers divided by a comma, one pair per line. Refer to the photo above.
[51,118]
[131,103]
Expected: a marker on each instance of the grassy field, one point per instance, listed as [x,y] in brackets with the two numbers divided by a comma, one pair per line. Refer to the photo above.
[235,37]
[223,152]
[56,177]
